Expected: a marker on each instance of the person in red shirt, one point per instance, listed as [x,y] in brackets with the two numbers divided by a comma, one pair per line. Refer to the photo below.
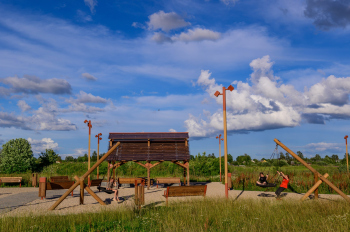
[283,185]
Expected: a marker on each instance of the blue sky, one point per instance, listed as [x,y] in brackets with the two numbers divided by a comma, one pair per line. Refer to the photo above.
[153,66]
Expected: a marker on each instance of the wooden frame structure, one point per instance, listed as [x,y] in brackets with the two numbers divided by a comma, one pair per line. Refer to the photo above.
[80,181]
[153,146]
[323,178]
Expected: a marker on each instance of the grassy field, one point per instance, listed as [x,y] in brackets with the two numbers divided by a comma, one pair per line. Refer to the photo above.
[204,215]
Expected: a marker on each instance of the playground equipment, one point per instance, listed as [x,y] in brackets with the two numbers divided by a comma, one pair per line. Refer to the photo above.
[217,93]
[220,139]
[136,147]
[80,181]
[323,178]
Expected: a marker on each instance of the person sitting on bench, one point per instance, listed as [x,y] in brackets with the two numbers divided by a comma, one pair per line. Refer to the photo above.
[113,185]
[262,179]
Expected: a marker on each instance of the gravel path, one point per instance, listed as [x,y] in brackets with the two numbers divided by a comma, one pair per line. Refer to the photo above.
[28,202]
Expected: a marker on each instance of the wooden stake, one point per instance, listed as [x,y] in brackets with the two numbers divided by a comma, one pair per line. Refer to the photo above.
[82,186]
[188,173]
[148,174]
[314,188]
[83,177]
[330,184]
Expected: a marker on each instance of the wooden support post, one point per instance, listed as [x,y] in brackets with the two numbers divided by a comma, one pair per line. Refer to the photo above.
[136,193]
[82,186]
[108,170]
[87,188]
[148,174]
[316,190]
[330,184]
[139,188]
[113,170]
[34,179]
[185,175]
[83,177]
[313,188]
[42,187]
[188,173]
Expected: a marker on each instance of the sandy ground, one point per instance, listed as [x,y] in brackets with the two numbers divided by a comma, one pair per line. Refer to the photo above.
[153,196]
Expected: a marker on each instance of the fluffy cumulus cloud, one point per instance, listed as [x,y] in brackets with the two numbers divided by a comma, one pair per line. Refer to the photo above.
[39,146]
[166,21]
[77,152]
[264,102]
[36,85]
[23,106]
[88,76]
[78,104]
[328,14]
[91,4]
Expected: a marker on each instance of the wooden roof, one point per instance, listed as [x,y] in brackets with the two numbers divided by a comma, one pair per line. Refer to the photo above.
[148,135]
[167,146]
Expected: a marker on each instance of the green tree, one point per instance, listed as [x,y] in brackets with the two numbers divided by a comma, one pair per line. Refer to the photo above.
[16,156]
[94,156]
[69,159]
[48,157]
[300,154]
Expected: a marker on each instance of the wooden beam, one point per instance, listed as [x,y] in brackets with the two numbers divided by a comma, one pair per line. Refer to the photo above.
[153,165]
[141,164]
[313,188]
[180,164]
[83,177]
[118,164]
[316,190]
[330,184]
[89,191]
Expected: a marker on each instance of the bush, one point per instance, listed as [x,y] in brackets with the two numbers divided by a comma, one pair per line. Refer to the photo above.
[342,169]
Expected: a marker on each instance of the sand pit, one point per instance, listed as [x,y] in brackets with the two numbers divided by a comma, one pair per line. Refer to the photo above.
[153,197]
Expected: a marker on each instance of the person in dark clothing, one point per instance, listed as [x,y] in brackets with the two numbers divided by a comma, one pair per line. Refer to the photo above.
[262,179]
[283,185]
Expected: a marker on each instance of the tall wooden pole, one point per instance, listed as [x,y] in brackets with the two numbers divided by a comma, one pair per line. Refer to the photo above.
[225,139]
[98,151]
[217,93]
[347,154]
[89,125]
[219,137]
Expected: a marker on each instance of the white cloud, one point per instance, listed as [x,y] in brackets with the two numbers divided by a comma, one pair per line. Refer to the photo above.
[324,147]
[266,103]
[83,97]
[88,77]
[39,146]
[91,4]
[35,85]
[83,17]
[23,106]
[166,21]
[197,34]
[77,152]
[172,130]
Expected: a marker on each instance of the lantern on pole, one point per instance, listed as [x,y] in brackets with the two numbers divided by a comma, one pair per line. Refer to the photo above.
[89,125]
[98,150]
[217,93]
[220,139]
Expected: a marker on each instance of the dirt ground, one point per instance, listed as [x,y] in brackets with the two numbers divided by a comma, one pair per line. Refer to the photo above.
[153,196]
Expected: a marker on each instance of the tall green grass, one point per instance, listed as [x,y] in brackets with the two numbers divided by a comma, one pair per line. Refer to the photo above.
[200,215]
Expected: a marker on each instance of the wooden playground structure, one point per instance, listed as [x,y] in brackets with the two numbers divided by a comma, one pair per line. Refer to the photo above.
[154,146]
[317,175]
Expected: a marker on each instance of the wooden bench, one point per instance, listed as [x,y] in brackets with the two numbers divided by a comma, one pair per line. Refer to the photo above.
[130,180]
[11,180]
[184,191]
[96,182]
[59,179]
[168,180]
